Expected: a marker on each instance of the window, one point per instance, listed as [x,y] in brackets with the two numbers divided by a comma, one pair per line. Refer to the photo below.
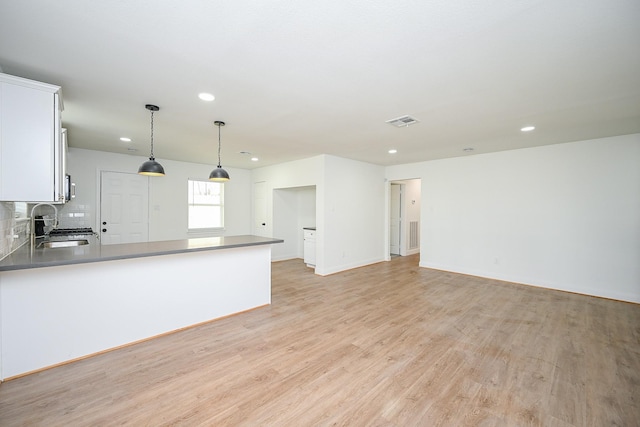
[206,205]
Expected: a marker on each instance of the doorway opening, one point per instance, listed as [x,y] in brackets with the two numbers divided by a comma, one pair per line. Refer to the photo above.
[294,209]
[404,217]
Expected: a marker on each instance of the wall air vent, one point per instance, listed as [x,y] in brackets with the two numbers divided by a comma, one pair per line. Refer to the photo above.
[403,121]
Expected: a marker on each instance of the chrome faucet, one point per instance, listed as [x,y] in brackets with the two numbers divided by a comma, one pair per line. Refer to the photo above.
[33,221]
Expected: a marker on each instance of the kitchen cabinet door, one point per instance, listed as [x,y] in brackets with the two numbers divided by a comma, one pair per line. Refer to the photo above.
[31,152]
[310,248]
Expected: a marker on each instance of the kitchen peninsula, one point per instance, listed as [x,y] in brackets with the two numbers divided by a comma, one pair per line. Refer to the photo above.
[62,304]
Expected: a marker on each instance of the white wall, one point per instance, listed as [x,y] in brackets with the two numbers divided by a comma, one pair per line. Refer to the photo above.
[285,224]
[306,210]
[354,215]
[167,194]
[563,216]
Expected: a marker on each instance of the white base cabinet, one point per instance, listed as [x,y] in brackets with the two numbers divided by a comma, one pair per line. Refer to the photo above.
[310,247]
[31,141]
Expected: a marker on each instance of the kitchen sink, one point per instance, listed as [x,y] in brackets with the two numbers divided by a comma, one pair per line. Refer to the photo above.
[63,243]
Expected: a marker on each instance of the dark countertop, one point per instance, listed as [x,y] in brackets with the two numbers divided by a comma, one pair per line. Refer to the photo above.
[22,258]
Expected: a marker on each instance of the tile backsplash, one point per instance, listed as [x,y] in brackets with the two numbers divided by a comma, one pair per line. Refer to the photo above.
[75,215]
[14,232]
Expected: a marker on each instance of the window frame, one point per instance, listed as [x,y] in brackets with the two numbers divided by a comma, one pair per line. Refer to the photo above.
[200,230]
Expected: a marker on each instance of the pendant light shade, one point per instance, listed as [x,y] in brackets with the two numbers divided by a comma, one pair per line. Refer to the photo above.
[219,174]
[151,167]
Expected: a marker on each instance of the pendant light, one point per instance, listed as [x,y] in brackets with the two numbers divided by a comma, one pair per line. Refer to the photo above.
[219,174]
[151,167]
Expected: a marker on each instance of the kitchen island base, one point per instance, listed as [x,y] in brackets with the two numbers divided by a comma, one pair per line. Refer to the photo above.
[53,315]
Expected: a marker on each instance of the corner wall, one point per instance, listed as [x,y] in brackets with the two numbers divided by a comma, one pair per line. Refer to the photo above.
[354,215]
[349,207]
[299,174]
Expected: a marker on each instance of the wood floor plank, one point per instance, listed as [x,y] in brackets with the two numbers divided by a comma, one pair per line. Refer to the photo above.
[389,344]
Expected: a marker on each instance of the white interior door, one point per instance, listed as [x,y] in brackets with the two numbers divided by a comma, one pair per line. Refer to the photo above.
[124,208]
[260,209]
[395,215]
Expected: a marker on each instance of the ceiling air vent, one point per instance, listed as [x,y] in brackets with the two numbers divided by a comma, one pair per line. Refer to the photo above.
[403,121]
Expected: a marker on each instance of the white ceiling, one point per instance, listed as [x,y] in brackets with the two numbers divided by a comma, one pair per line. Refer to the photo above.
[294,79]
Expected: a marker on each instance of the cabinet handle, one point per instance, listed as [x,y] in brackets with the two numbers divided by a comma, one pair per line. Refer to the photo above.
[104,230]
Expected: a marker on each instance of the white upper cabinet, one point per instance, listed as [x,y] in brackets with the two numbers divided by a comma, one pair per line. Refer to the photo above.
[31,141]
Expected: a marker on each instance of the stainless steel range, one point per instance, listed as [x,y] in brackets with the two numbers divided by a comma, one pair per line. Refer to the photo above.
[67,232]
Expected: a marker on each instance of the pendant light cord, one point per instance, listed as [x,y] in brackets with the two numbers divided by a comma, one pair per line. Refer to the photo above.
[151,157]
[219,146]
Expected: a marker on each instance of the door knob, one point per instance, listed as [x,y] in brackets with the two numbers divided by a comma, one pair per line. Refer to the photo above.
[264,223]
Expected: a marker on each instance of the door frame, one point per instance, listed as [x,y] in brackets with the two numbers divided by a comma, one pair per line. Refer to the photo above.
[400,216]
[404,243]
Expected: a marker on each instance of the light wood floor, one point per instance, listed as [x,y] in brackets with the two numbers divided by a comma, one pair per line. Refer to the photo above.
[386,345]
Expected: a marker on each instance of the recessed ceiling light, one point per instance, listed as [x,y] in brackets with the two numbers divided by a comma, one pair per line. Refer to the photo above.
[125,139]
[528,128]
[206,96]
[254,159]
[468,149]
[393,151]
